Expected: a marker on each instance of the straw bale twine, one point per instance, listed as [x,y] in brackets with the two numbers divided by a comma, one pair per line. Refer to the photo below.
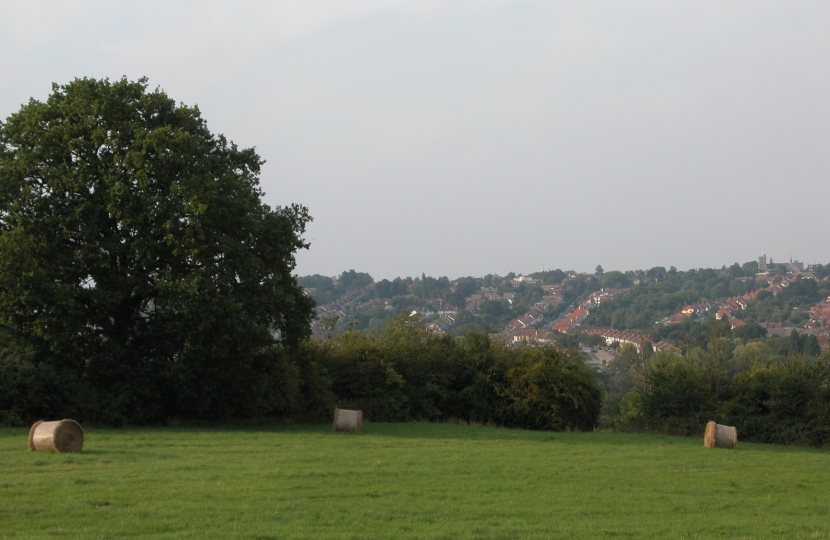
[346,420]
[57,436]
[718,436]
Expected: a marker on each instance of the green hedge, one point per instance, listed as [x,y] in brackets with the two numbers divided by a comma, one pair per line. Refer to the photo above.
[402,373]
[785,400]
[405,373]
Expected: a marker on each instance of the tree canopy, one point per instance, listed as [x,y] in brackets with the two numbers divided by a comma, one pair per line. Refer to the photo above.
[137,260]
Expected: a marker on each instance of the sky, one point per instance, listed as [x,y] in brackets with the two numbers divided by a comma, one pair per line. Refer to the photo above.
[457,138]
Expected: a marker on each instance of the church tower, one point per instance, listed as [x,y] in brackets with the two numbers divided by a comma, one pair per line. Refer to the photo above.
[762,263]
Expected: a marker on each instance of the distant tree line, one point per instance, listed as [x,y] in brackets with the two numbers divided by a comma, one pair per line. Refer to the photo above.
[324,289]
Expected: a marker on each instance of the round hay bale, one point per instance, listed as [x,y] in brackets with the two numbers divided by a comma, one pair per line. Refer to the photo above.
[719,436]
[347,420]
[57,436]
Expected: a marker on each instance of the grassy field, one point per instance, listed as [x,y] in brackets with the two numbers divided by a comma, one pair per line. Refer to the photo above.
[408,481]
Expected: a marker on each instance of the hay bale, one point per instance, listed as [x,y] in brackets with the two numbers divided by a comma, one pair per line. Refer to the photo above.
[57,436]
[718,436]
[346,420]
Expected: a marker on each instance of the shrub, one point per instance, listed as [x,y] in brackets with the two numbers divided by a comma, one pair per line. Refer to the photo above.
[406,373]
[548,388]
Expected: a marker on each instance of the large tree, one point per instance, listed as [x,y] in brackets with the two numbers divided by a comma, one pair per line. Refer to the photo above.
[137,259]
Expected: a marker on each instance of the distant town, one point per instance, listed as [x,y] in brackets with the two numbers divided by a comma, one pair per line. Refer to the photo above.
[598,312]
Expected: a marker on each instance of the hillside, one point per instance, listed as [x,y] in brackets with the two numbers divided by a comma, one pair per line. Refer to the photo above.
[548,306]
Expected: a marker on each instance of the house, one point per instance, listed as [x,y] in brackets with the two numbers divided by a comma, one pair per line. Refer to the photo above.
[541,306]
[524,280]
[552,289]
[662,346]
[552,300]
[561,326]
[820,313]
[615,338]
[442,323]
[571,320]
[532,335]
[673,319]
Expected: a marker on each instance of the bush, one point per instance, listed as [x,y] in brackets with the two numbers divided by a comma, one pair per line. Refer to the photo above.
[675,398]
[770,399]
[548,388]
[405,373]
[28,391]
[786,403]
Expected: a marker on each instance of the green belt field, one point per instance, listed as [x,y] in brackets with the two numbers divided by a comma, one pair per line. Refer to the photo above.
[408,481]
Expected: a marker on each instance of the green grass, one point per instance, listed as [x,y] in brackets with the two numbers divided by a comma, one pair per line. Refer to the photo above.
[408,481]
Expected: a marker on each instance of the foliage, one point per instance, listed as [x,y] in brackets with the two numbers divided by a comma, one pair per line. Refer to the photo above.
[750,331]
[674,393]
[27,390]
[466,323]
[324,289]
[783,403]
[580,287]
[663,293]
[403,372]
[615,279]
[546,388]
[789,305]
[592,340]
[138,264]
[768,396]
[551,277]
[427,294]
[387,289]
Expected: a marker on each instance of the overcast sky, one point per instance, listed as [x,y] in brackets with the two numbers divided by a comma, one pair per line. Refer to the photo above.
[465,138]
